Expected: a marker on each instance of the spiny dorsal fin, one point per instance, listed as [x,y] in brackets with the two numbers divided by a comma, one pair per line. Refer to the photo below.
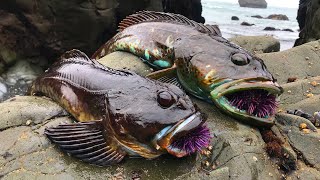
[151,16]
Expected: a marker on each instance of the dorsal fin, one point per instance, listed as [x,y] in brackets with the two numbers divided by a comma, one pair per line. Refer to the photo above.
[151,16]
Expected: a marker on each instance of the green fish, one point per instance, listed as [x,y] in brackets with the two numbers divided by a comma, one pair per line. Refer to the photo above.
[120,113]
[203,62]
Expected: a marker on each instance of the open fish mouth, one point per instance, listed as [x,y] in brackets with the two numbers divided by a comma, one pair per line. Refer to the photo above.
[184,138]
[253,101]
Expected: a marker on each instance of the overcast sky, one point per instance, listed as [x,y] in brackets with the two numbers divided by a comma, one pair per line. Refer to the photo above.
[278,3]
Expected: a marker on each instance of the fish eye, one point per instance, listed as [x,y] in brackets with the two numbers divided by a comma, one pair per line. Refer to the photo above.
[165,99]
[240,59]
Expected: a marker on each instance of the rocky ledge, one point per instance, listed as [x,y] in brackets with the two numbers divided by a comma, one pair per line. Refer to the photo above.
[237,151]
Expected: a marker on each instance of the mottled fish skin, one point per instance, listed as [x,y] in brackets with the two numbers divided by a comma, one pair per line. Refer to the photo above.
[204,60]
[130,106]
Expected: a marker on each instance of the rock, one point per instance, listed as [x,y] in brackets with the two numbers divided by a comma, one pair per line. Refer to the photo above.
[300,62]
[253,3]
[30,28]
[289,30]
[308,145]
[19,77]
[246,24]
[270,29]
[191,9]
[278,17]
[302,11]
[308,15]
[257,44]
[234,18]
[257,16]
[123,60]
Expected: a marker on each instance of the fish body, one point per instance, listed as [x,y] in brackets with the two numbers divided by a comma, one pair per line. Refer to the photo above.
[206,65]
[119,112]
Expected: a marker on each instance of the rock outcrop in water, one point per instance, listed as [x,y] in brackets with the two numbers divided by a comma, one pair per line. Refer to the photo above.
[253,3]
[308,18]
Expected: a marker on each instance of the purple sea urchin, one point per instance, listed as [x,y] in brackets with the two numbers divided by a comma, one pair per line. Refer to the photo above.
[193,141]
[255,102]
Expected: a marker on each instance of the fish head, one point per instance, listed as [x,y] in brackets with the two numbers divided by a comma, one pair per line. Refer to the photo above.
[159,118]
[233,79]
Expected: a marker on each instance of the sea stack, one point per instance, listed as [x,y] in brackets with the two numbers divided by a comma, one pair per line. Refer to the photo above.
[253,3]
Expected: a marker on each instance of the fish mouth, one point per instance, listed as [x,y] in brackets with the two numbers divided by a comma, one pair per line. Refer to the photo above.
[187,136]
[252,100]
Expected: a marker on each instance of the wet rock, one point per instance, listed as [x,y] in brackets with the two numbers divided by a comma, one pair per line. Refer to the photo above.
[306,144]
[234,18]
[257,16]
[308,15]
[246,24]
[305,173]
[19,77]
[268,28]
[253,3]
[278,17]
[289,30]
[301,62]
[257,44]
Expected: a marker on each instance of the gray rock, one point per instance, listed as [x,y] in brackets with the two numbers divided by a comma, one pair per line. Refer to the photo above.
[253,3]
[257,44]
[278,17]
[300,62]
[123,60]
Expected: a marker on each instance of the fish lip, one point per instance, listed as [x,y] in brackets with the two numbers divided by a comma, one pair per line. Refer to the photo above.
[219,93]
[163,140]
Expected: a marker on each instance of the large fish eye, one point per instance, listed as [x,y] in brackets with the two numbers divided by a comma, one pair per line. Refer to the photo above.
[240,59]
[165,99]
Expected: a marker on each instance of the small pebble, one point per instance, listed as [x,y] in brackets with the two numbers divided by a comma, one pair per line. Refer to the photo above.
[28,122]
[309,95]
[306,131]
[303,126]
[207,163]
[291,79]
[314,83]
[209,148]
[289,91]
[270,174]
[255,158]
[307,58]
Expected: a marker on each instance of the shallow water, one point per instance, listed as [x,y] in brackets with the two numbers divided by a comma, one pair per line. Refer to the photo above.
[221,12]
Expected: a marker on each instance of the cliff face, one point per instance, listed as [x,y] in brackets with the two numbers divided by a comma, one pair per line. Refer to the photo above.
[51,27]
[253,3]
[192,9]
[308,18]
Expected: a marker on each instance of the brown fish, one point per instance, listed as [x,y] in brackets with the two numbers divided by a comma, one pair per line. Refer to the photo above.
[120,113]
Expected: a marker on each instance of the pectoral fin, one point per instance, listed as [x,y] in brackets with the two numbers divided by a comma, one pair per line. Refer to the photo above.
[86,141]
